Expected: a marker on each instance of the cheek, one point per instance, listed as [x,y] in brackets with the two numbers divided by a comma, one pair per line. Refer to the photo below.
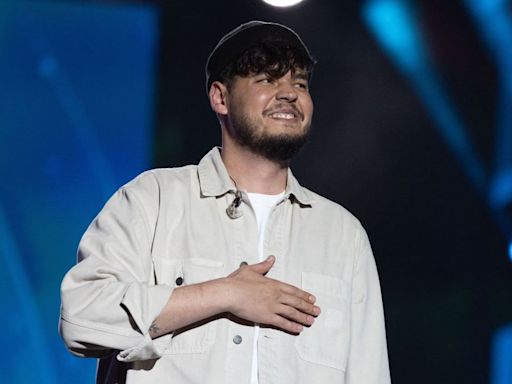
[260,99]
[255,106]
[307,107]
[253,100]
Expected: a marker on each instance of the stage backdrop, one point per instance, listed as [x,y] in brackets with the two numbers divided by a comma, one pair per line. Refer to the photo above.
[76,118]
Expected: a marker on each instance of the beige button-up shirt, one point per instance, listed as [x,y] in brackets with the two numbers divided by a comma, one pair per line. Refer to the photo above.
[169,227]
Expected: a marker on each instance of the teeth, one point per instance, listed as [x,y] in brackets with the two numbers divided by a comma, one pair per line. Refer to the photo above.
[282,115]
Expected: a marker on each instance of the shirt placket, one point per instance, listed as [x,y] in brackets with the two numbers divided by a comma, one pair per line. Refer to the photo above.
[269,346]
[242,232]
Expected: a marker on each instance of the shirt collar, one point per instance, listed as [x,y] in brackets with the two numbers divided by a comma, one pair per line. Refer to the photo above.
[293,188]
[215,181]
[213,176]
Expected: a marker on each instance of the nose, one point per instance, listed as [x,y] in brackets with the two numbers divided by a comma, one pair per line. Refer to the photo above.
[286,92]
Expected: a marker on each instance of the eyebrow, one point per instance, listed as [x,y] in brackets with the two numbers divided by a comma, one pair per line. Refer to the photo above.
[301,76]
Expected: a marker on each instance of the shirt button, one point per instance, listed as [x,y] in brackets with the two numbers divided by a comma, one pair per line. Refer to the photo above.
[237,339]
[179,280]
[243,264]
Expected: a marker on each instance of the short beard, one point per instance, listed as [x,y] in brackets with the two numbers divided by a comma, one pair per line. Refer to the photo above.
[279,148]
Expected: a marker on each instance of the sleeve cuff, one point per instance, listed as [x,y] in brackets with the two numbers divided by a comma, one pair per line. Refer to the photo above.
[147,349]
[154,298]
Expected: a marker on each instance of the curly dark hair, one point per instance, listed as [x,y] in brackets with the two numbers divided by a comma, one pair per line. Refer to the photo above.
[273,58]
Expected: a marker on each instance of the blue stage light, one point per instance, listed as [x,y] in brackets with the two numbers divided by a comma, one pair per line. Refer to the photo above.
[495,24]
[395,27]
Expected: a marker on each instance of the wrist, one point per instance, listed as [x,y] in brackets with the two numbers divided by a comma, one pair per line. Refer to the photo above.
[222,294]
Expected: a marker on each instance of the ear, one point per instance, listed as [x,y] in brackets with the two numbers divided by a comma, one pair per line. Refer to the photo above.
[217,95]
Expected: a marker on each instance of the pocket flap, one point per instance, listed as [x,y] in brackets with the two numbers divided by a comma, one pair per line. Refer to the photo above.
[191,271]
[325,285]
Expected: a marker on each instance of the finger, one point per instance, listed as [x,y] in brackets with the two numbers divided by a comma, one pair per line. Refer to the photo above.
[293,290]
[286,324]
[294,315]
[264,266]
[300,304]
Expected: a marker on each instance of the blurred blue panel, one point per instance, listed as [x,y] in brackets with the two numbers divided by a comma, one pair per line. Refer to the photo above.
[501,369]
[77,86]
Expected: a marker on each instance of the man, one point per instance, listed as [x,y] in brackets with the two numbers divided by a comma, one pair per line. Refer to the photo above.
[230,271]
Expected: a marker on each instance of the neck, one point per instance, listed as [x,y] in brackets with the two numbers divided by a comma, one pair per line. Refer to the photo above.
[252,172]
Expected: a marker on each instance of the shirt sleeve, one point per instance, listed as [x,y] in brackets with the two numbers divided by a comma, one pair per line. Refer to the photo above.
[368,359]
[108,299]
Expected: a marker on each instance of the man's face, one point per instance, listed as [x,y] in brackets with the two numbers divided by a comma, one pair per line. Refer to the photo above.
[272,117]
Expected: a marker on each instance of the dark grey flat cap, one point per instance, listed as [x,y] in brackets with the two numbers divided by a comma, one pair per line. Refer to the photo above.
[233,44]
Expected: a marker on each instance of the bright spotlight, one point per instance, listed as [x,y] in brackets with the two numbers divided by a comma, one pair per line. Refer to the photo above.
[282,3]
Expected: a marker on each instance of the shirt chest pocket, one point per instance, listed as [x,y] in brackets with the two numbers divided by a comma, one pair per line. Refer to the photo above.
[200,336]
[327,341]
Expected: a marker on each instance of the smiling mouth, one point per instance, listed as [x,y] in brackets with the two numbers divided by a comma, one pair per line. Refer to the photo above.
[283,115]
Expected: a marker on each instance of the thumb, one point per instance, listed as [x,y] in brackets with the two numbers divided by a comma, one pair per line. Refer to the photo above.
[264,266]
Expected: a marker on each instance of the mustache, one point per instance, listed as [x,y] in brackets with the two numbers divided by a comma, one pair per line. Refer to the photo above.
[284,108]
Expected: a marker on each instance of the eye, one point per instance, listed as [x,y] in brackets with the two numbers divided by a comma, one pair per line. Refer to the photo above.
[264,80]
[302,85]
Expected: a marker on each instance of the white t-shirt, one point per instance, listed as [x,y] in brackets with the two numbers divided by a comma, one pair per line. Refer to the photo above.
[262,205]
